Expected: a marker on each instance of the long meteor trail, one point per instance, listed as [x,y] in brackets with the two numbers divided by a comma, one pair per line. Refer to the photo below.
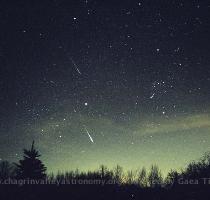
[91,139]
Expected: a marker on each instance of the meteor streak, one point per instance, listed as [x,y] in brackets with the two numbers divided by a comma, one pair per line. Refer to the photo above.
[91,139]
[151,97]
[75,65]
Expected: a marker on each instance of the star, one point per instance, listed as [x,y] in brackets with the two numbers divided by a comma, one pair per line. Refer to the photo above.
[84,83]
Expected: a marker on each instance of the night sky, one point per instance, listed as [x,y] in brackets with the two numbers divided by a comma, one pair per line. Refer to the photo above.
[105,82]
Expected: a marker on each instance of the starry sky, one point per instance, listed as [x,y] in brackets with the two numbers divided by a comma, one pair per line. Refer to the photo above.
[105,82]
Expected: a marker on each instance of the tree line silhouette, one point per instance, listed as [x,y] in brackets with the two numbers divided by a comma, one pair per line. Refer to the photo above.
[191,182]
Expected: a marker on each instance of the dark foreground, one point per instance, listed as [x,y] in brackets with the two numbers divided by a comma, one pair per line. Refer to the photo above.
[37,192]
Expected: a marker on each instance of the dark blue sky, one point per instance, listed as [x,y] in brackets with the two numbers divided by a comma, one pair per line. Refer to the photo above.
[113,82]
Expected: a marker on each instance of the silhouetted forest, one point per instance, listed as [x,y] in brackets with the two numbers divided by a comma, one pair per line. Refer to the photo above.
[28,179]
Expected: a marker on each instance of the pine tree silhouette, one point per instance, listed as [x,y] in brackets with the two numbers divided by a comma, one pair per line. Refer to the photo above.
[31,167]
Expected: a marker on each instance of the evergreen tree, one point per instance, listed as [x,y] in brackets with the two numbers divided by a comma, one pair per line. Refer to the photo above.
[31,167]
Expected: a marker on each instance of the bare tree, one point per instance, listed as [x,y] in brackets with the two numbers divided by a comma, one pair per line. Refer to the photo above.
[6,170]
[131,177]
[142,177]
[118,174]
[155,177]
